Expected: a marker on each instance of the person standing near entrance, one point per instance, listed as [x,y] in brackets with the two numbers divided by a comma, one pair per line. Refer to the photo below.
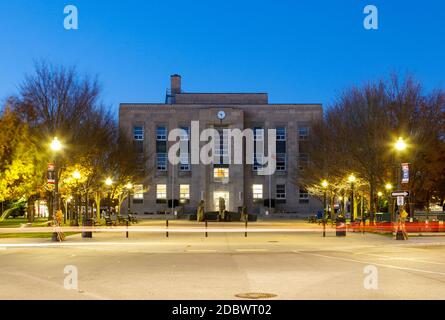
[200,212]
[222,209]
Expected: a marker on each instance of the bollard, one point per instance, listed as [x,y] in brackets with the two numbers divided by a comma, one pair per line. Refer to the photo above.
[245,234]
[166,224]
[324,228]
[207,234]
[127,229]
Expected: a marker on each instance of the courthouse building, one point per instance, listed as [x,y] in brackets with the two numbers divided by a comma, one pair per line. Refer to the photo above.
[188,183]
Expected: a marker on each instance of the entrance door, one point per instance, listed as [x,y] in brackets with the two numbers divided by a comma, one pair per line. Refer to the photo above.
[221,194]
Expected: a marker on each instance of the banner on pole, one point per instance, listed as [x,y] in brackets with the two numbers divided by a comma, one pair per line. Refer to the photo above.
[51,173]
[405,172]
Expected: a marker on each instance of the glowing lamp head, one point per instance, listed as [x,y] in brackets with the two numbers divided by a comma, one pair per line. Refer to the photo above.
[109,181]
[56,145]
[324,184]
[388,186]
[129,186]
[77,175]
[400,144]
[352,178]
[379,194]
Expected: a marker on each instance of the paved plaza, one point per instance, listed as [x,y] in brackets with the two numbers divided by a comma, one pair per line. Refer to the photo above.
[288,259]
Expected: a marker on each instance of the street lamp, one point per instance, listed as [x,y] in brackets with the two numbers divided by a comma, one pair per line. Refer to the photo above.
[129,187]
[351,180]
[77,176]
[109,183]
[56,146]
[400,145]
[325,185]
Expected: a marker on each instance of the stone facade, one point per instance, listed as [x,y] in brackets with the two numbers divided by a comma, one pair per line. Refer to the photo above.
[241,111]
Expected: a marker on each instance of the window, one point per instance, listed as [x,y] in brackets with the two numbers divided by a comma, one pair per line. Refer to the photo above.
[221,147]
[281,162]
[258,160]
[184,160]
[303,133]
[138,196]
[161,161]
[161,192]
[303,160]
[185,134]
[184,154]
[304,196]
[184,193]
[161,133]
[138,133]
[281,134]
[281,192]
[258,155]
[257,192]
[221,174]
[258,134]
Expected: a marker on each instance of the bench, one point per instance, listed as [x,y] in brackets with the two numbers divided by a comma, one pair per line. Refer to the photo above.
[132,219]
[109,222]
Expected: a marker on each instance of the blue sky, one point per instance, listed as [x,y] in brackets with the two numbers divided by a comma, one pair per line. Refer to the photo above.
[297,51]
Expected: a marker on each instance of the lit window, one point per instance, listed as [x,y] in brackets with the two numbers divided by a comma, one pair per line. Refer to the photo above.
[257,191]
[161,192]
[303,133]
[281,162]
[161,133]
[138,133]
[304,195]
[184,192]
[221,174]
[138,196]
[281,134]
[281,191]
[161,161]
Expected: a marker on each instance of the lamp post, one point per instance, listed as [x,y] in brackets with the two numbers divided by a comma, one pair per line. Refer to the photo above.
[109,183]
[388,188]
[399,146]
[129,187]
[325,185]
[77,176]
[56,147]
[351,180]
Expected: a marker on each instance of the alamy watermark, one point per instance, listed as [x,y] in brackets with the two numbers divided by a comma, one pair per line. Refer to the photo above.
[71,21]
[371,21]
[371,281]
[226,144]
[71,280]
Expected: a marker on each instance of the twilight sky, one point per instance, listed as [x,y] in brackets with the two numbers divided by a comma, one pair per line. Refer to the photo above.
[298,51]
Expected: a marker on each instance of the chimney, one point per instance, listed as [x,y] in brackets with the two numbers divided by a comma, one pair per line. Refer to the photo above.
[175,84]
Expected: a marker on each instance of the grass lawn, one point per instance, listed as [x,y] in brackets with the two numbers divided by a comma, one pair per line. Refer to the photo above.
[16,223]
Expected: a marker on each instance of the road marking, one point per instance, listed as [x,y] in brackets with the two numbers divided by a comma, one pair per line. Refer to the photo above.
[400,258]
[201,251]
[251,250]
[389,266]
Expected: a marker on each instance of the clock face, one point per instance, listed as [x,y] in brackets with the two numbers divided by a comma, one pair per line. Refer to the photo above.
[221,115]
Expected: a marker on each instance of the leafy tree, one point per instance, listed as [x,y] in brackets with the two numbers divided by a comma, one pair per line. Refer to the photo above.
[357,135]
